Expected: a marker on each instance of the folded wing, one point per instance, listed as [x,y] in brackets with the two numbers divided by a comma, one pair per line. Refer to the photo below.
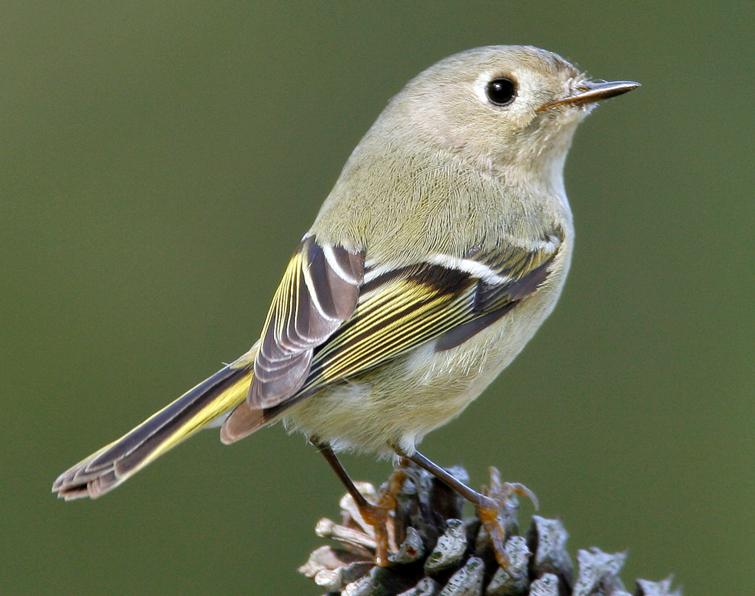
[446,299]
[335,317]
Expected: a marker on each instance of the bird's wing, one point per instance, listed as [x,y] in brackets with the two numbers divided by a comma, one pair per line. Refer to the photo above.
[334,317]
[446,299]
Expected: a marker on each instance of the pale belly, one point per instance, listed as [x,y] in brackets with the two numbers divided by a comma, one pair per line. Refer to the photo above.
[399,403]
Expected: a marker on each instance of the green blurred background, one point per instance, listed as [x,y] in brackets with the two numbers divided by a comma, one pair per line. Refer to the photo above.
[159,163]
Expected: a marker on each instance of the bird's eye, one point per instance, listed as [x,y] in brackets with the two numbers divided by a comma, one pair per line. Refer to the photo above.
[501,92]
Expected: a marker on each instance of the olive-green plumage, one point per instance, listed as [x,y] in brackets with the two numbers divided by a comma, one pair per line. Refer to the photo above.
[441,249]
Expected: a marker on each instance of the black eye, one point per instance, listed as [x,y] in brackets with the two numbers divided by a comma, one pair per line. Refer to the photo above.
[501,91]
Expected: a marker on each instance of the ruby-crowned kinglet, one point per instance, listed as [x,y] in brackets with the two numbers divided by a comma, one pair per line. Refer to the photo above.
[437,255]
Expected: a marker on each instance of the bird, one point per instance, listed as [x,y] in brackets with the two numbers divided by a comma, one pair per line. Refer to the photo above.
[441,249]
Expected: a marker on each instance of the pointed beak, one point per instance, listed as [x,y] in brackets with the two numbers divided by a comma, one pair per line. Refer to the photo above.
[590,92]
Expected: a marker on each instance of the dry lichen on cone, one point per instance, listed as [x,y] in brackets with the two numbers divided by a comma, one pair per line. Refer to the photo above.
[434,551]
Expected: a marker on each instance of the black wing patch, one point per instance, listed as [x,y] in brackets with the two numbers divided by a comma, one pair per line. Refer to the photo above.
[491,302]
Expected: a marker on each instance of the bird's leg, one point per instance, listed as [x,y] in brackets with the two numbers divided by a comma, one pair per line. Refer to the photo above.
[488,503]
[376,515]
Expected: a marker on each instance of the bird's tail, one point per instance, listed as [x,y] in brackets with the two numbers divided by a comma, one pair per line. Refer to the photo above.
[206,403]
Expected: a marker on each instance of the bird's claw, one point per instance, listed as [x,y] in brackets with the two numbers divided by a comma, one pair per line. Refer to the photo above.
[379,514]
[494,498]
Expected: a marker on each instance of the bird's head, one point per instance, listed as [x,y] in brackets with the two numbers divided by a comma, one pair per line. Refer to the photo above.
[501,105]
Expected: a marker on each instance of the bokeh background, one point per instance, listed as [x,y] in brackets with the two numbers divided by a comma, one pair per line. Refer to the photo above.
[159,163]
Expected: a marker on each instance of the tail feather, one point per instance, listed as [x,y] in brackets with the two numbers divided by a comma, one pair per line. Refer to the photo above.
[114,463]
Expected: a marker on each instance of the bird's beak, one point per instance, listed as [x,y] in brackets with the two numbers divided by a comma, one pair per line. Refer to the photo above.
[590,92]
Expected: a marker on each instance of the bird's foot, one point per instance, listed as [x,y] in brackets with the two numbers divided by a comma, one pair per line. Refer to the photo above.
[492,499]
[379,514]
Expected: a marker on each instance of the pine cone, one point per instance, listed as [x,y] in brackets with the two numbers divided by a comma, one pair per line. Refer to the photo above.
[434,551]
